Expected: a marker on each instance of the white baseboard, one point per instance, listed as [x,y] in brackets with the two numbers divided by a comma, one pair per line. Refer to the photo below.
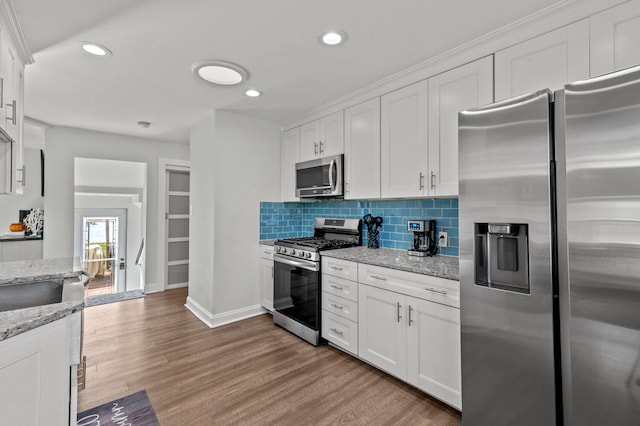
[153,288]
[223,318]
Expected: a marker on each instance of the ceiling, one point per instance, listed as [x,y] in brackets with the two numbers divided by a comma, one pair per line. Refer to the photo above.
[156,42]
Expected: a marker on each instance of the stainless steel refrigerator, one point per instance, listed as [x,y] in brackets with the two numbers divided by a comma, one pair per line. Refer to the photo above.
[550,256]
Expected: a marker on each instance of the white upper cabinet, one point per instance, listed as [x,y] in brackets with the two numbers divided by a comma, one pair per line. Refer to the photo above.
[547,61]
[323,137]
[614,38]
[289,156]
[459,89]
[362,150]
[403,140]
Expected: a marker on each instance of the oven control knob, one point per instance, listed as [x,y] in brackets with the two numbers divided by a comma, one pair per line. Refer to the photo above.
[307,255]
[292,252]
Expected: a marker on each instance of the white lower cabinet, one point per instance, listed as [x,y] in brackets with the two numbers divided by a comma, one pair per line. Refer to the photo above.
[415,339]
[36,374]
[266,277]
[339,314]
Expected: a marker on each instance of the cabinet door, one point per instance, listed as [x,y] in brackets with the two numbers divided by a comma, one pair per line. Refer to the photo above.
[547,61]
[266,283]
[289,156]
[362,150]
[331,140]
[433,350]
[309,141]
[614,38]
[382,334]
[459,89]
[403,140]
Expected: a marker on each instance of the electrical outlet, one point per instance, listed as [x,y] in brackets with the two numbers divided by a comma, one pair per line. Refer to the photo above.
[443,239]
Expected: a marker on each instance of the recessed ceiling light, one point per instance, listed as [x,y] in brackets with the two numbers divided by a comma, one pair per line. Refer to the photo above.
[333,38]
[95,49]
[144,124]
[220,72]
[253,93]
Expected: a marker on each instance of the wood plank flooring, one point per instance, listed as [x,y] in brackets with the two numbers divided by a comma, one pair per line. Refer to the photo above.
[247,373]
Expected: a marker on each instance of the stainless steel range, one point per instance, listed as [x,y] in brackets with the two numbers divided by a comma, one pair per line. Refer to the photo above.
[297,274]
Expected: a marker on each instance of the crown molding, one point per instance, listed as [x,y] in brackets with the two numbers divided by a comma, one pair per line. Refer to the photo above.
[538,23]
[15,28]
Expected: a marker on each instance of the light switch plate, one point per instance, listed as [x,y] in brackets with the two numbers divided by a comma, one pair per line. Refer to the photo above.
[443,239]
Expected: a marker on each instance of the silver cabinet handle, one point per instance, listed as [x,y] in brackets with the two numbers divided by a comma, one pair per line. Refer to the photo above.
[336,268]
[24,175]
[410,319]
[375,277]
[321,148]
[421,181]
[13,109]
[433,180]
[399,306]
[315,148]
[335,330]
[436,291]
[333,305]
[337,287]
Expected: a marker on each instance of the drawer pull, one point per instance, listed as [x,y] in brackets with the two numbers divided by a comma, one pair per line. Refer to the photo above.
[335,330]
[266,252]
[375,277]
[336,268]
[333,305]
[436,291]
[337,287]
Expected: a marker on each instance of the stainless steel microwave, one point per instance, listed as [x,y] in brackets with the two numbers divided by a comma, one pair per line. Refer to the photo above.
[320,178]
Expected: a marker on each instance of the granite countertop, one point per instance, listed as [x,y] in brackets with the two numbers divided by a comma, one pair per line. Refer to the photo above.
[20,238]
[40,269]
[437,266]
[23,272]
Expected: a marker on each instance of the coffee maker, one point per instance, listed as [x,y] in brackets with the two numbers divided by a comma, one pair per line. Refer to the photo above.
[424,237]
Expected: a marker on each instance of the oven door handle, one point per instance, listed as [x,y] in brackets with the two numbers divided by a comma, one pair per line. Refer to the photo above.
[302,264]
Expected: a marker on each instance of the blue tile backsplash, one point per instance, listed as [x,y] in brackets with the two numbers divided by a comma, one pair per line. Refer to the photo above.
[290,220]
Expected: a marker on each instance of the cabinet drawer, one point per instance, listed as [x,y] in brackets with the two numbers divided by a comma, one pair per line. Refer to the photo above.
[340,268]
[340,306]
[266,252]
[340,287]
[340,331]
[434,289]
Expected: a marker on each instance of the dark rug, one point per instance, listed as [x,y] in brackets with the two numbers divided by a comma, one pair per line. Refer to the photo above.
[134,410]
[102,299]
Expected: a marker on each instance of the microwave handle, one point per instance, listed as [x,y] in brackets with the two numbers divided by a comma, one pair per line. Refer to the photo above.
[332,167]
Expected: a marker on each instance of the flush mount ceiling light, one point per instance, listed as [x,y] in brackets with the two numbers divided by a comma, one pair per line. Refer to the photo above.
[220,72]
[333,38]
[252,93]
[95,49]
[144,124]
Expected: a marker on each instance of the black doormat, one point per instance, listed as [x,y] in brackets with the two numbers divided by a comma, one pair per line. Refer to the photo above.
[102,299]
[134,410]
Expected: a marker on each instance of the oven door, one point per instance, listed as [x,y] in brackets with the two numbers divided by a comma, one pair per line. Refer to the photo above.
[296,290]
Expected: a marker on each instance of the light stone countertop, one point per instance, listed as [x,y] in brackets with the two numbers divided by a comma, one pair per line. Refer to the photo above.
[267,242]
[23,272]
[437,266]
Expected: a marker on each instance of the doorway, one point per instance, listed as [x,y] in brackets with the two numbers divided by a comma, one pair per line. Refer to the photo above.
[104,245]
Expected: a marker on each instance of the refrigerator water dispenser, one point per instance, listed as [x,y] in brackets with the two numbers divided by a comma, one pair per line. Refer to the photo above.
[501,253]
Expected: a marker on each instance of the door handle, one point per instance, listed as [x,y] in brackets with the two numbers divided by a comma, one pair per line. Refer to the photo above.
[321,148]
[421,181]
[315,148]
[433,180]
[399,306]
[410,319]
[13,109]
[332,170]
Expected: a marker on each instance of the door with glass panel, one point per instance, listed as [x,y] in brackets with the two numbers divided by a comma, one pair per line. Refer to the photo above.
[177,231]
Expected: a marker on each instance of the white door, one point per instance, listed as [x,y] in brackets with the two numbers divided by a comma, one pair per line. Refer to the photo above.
[177,228]
[459,89]
[362,150]
[433,350]
[547,61]
[102,246]
[614,38]
[382,334]
[403,140]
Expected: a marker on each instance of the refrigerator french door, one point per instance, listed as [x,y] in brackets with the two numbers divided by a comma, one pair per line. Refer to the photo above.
[550,256]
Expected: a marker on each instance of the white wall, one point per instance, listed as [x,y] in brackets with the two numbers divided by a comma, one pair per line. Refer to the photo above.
[63,144]
[235,163]
[31,199]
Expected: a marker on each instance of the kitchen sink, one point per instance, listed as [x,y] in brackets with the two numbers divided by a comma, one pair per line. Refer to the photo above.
[38,293]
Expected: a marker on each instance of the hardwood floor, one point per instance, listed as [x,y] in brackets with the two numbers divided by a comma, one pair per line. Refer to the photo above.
[247,373]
